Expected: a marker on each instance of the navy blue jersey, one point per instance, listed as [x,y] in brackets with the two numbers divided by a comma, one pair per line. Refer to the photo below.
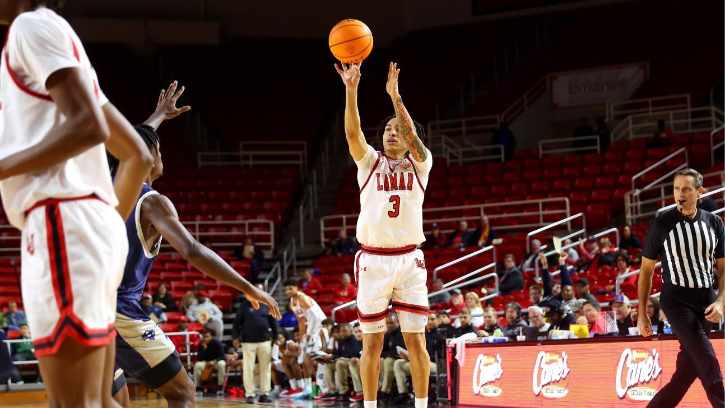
[138,263]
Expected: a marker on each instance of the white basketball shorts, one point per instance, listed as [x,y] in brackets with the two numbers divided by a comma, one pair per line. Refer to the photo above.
[397,273]
[73,255]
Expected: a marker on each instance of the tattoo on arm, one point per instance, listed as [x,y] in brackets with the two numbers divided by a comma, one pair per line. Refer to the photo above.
[407,130]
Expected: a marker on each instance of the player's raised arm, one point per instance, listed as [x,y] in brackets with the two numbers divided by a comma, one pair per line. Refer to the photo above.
[405,122]
[166,106]
[350,75]
[162,214]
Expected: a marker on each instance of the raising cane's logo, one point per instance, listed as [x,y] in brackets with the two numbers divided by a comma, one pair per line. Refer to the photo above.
[486,376]
[638,374]
[551,374]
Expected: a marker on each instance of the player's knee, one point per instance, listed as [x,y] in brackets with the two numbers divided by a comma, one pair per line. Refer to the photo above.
[181,388]
[412,322]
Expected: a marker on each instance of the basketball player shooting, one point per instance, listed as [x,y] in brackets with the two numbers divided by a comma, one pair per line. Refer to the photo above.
[55,121]
[143,350]
[390,226]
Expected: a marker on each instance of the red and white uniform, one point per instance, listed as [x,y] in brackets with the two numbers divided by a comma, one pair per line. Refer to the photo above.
[389,228]
[313,315]
[73,241]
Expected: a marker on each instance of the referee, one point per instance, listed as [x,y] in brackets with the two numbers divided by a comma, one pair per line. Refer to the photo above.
[689,242]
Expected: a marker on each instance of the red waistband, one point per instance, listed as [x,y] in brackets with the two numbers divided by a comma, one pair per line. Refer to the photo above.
[51,201]
[388,251]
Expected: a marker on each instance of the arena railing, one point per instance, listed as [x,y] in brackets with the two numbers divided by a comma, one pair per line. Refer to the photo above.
[481,251]
[714,144]
[522,104]
[574,244]
[680,152]
[280,270]
[259,153]
[188,353]
[636,208]
[349,221]
[688,120]
[569,148]
[708,194]
[617,110]
[454,153]
[566,221]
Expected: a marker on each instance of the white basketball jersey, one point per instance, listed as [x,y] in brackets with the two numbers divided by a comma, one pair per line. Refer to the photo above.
[391,200]
[313,315]
[38,44]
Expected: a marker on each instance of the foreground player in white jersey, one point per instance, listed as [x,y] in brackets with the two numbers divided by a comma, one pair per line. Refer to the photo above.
[390,226]
[55,188]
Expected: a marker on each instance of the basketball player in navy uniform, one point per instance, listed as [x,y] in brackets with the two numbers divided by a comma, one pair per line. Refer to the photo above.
[142,349]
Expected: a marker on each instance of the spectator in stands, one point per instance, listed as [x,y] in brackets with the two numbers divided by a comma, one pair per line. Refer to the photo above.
[206,313]
[567,295]
[346,353]
[391,341]
[536,319]
[252,253]
[490,323]
[505,137]
[588,250]
[24,351]
[345,245]
[629,241]
[444,324]
[442,297]
[475,309]
[531,256]
[187,301]
[3,321]
[466,325]
[154,312]
[662,137]
[309,284]
[559,315]
[591,313]
[15,316]
[401,367]
[484,234]
[211,356]
[512,279]
[584,129]
[436,239]
[536,295]
[555,288]
[622,268]
[583,291]
[251,331]
[515,325]
[289,319]
[180,341]
[573,255]
[566,283]
[607,256]
[605,134]
[462,237]
[708,203]
[457,302]
[653,312]
[577,308]
[623,314]
[330,246]
[163,299]
[345,292]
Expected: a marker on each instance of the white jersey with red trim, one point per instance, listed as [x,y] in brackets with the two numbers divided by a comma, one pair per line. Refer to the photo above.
[38,44]
[313,315]
[391,200]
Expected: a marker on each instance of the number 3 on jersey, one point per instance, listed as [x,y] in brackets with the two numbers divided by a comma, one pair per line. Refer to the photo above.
[396,206]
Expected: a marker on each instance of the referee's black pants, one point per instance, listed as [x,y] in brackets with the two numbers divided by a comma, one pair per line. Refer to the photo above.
[685,311]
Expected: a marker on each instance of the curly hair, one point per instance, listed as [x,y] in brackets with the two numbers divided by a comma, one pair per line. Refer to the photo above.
[419,129]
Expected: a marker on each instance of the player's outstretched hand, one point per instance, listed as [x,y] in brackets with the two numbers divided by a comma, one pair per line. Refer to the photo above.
[350,74]
[392,85]
[714,312]
[644,325]
[257,296]
[166,105]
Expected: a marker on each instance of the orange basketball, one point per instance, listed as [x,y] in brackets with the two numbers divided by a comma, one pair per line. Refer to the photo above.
[351,41]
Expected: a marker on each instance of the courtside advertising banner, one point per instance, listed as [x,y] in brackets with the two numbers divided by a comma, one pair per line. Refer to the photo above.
[588,373]
[595,86]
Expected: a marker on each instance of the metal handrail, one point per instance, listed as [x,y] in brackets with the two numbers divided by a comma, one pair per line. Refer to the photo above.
[194,229]
[691,122]
[522,104]
[460,150]
[709,193]
[566,220]
[306,203]
[621,278]
[713,146]
[277,268]
[342,306]
[290,259]
[344,217]
[569,149]
[611,114]
[652,167]
[573,244]
[460,285]
[463,258]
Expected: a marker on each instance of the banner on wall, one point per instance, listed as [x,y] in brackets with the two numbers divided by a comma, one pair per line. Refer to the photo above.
[596,86]
[587,373]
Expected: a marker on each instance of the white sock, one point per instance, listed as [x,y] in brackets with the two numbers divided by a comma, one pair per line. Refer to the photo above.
[421,402]
[308,382]
[277,388]
[370,404]
[293,384]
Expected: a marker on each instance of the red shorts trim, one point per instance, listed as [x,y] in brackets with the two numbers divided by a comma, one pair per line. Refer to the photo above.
[406,307]
[50,201]
[388,251]
[372,317]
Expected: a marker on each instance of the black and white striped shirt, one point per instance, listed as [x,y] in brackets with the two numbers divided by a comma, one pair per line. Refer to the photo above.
[687,247]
